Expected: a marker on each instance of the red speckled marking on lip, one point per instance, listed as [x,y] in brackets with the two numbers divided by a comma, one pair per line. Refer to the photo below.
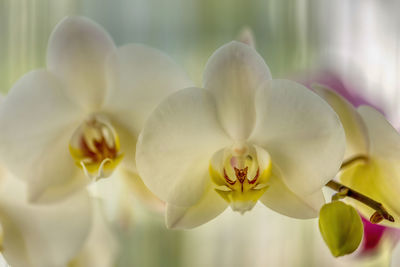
[229,181]
[241,175]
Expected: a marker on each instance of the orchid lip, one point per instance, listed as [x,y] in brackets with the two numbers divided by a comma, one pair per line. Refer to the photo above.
[240,178]
[95,148]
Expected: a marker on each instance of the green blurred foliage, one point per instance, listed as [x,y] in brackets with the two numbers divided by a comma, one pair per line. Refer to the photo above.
[187,30]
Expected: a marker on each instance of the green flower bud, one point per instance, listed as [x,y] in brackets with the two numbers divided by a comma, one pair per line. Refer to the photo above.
[340,227]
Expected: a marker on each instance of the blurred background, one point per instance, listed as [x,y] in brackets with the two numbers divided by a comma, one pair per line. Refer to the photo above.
[355,42]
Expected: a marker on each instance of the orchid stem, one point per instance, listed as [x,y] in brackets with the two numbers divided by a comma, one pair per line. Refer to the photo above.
[344,191]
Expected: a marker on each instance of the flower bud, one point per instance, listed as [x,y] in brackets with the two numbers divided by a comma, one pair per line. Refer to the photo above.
[340,227]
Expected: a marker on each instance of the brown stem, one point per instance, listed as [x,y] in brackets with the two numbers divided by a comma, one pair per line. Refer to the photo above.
[344,191]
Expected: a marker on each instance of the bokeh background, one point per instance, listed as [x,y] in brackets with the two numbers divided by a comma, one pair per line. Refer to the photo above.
[356,41]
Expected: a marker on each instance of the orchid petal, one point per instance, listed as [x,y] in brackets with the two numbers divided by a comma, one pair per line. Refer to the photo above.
[280,198]
[101,247]
[77,53]
[208,207]
[42,235]
[132,183]
[128,141]
[139,78]
[384,139]
[176,144]
[117,195]
[37,121]
[233,74]
[357,142]
[302,134]
[378,179]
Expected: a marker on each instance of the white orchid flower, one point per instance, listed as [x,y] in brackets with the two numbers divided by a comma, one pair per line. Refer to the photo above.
[41,235]
[242,138]
[373,154]
[119,197]
[101,247]
[82,115]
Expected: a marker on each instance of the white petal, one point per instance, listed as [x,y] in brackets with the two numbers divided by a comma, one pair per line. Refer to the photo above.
[384,139]
[280,198]
[53,174]
[357,142]
[43,235]
[302,134]
[37,120]
[77,53]
[101,247]
[139,78]
[233,73]
[208,207]
[117,194]
[176,145]
[133,184]
[381,177]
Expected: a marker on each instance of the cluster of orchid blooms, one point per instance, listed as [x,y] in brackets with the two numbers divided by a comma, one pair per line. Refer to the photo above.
[239,138]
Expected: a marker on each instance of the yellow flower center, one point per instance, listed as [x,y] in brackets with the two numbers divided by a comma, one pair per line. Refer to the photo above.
[95,148]
[241,175]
